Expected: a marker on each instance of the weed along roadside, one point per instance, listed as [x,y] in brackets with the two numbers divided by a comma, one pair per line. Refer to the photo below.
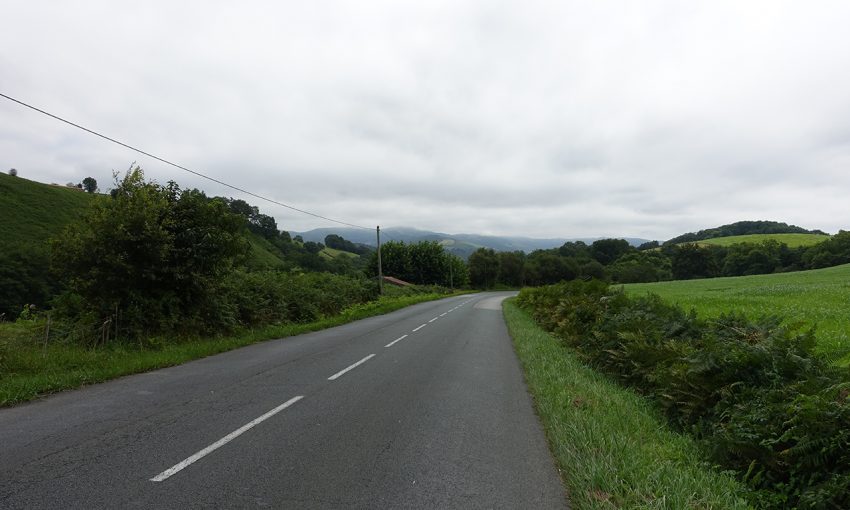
[611,445]
[755,396]
[29,368]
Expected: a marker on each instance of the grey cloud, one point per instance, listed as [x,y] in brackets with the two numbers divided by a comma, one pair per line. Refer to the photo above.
[528,118]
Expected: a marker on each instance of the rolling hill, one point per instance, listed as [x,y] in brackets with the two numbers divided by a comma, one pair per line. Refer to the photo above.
[461,245]
[32,212]
[792,240]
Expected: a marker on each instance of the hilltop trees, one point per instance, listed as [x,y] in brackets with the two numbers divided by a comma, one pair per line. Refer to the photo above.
[89,184]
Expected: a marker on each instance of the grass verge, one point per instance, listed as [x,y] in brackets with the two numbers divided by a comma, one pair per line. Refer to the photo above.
[29,369]
[612,448]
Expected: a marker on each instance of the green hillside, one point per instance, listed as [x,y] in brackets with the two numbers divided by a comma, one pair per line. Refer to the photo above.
[792,240]
[332,253]
[815,298]
[32,212]
[262,254]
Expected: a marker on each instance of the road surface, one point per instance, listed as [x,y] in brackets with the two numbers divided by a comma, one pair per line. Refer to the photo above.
[421,408]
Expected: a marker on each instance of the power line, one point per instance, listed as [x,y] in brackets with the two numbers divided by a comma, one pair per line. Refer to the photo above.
[199,174]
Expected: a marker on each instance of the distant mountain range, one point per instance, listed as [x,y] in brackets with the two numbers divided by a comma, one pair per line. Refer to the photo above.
[461,245]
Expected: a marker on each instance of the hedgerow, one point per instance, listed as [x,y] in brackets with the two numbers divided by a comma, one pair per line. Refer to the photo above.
[753,392]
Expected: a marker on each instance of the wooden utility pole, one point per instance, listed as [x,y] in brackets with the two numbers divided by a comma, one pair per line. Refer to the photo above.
[380,269]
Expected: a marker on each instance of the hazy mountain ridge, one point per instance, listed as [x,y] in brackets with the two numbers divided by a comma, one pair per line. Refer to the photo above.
[461,245]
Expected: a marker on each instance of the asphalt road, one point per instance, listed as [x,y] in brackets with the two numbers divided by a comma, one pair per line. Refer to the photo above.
[421,408]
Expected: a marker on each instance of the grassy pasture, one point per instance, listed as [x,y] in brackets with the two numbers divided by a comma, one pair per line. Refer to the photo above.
[819,298]
[32,212]
[332,253]
[792,240]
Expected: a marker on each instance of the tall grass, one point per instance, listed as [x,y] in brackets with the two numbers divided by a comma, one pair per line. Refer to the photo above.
[612,448]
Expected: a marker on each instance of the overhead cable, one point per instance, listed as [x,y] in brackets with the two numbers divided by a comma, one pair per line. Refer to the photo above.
[163,160]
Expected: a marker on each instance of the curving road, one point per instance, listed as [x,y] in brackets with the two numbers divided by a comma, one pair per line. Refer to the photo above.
[421,408]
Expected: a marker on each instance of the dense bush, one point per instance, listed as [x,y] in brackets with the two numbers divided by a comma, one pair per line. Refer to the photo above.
[754,392]
[153,254]
[422,263]
[275,297]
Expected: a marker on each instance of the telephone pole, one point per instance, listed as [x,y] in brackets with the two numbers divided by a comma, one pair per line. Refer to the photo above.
[380,269]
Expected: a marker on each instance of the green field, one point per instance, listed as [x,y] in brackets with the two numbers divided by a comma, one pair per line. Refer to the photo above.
[332,253]
[792,240]
[32,212]
[820,298]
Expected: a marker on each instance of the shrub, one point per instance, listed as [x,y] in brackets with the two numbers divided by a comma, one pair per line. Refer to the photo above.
[754,392]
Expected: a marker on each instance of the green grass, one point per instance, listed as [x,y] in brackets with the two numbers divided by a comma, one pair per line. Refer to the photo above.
[29,369]
[332,253]
[819,297]
[32,212]
[262,254]
[612,448]
[792,240]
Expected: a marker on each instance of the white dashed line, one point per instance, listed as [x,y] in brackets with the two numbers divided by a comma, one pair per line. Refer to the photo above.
[443,314]
[223,441]
[432,320]
[420,327]
[352,367]
[402,337]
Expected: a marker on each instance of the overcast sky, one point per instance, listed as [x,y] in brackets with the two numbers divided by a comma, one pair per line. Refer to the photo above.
[545,119]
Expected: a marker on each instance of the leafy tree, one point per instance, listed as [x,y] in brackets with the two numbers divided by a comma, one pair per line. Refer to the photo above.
[574,249]
[154,253]
[752,258]
[512,268]
[395,261]
[606,251]
[547,267]
[459,272]
[641,267]
[261,224]
[423,263]
[90,185]
[590,268]
[483,268]
[691,261]
[314,248]
[429,263]
[337,242]
[832,252]
[650,245]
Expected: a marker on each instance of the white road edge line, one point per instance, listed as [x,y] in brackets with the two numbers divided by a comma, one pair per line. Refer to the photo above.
[352,367]
[402,337]
[420,327]
[223,441]
[432,320]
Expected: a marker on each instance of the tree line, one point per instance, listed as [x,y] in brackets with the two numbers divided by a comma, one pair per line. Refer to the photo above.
[615,260]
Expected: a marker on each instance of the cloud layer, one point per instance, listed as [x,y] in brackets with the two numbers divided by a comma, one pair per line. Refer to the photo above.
[548,119]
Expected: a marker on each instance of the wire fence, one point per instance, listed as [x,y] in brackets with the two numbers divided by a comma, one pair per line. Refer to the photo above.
[43,329]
